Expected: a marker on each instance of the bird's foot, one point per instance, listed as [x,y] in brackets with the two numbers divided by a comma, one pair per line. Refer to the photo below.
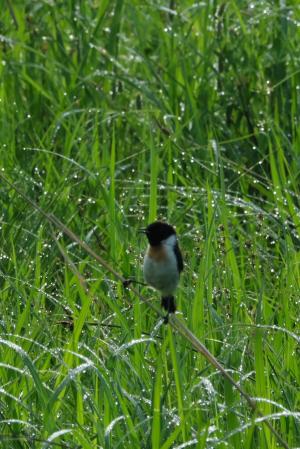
[129,281]
[166,318]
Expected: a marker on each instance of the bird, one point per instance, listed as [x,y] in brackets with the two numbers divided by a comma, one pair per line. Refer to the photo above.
[163,262]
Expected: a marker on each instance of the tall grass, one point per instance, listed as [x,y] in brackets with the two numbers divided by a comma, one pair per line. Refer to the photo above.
[114,114]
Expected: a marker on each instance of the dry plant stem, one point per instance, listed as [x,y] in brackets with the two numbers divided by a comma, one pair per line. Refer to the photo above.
[173,320]
[184,331]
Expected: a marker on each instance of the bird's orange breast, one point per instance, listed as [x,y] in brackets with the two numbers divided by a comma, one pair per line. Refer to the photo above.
[157,253]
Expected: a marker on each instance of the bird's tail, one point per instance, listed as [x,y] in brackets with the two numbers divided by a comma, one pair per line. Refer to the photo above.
[168,303]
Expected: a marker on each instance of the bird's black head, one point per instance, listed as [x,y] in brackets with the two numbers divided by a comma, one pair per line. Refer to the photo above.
[158,231]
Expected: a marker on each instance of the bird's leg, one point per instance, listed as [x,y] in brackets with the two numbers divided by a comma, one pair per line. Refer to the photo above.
[168,303]
[166,318]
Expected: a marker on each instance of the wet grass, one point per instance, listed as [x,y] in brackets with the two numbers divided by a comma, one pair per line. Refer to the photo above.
[114,114]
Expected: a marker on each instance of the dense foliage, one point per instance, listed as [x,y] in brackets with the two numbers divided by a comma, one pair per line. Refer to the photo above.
[114,113]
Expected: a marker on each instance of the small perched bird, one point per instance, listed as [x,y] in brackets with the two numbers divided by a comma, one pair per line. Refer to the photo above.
[163,262]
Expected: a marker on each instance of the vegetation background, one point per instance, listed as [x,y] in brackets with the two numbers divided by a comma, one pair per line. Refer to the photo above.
[114,113]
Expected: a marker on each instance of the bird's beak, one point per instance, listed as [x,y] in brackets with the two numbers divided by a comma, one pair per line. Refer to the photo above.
[142,230]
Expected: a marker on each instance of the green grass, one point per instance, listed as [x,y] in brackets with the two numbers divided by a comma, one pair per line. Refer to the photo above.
[113,114]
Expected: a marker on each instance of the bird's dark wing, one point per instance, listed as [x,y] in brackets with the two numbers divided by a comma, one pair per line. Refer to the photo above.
[178,257]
